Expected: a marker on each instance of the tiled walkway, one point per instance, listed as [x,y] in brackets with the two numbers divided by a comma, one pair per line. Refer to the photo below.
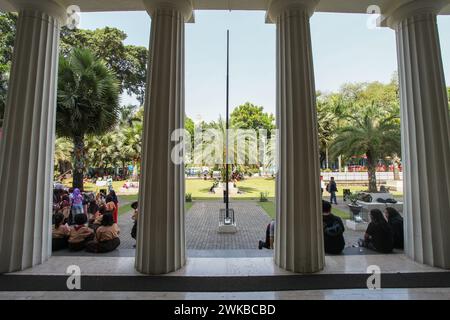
[202,221]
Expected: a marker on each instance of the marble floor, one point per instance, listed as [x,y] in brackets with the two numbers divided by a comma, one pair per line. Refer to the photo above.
[257,266]
[355,294]
[220,267]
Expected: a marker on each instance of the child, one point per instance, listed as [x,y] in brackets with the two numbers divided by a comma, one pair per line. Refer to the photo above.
[65,207]
[106,236]
[60,233]
[80,234]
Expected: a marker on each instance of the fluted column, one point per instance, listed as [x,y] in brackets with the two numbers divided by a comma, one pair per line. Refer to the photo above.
[299,235]
[26,149]
[161,237]
[425,132]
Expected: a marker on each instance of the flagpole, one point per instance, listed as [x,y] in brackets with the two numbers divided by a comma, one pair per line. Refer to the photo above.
[227,199]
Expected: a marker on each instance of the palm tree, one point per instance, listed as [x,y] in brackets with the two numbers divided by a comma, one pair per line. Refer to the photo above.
[88,103]
[63,154]
[130,148]
[327,125]
[371,133]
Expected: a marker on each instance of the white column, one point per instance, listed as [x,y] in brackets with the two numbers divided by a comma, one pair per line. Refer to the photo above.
[26,150]
[425,132]
[161,237]
[299,234]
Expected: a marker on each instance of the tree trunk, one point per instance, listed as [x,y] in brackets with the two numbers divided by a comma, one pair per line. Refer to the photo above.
[327,158]
[78,161]
[396,161]
[135,171]
[371,170]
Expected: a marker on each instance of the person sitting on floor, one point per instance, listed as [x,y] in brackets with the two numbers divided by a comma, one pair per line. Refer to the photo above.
[395,220]
[80,234]
[64,207]
[134,217]
[270,233]
[106,236]
[114,199]
[92,210]
[98,217]
[60,233]
[333,230]
[379,235]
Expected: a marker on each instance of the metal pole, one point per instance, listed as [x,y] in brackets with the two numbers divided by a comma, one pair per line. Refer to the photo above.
[227,199]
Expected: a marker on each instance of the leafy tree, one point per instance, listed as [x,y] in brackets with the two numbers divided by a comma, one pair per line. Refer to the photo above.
[7,36]
[131,142]
[88,103]
[127,61]
[327,125]
[249,116]
[372,134]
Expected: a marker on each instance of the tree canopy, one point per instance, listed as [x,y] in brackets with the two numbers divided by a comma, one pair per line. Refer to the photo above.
[128,62]
[250,116]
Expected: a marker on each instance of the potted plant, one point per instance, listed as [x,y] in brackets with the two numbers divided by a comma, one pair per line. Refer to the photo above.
[354,207]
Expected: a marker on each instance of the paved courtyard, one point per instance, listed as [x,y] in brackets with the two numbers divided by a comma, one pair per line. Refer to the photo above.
[201,227]
[203,219]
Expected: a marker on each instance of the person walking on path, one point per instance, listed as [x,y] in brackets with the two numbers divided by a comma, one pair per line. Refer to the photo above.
[332,189]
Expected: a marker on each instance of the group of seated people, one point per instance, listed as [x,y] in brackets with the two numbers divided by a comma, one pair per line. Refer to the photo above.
[384,232]
[78,225]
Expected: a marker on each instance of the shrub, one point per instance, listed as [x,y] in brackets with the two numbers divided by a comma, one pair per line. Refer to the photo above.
[263,197]
[188,197]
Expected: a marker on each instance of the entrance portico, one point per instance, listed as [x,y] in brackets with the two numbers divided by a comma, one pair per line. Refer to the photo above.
[26,148]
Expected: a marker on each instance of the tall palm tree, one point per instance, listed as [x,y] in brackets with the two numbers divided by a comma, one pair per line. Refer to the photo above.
[88,103]
[371,134]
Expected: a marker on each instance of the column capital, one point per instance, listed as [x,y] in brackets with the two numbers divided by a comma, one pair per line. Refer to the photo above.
[277,7]
[404,9]
[183,6]
[53,8]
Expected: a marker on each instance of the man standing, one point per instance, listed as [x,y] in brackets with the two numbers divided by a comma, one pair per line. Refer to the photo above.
[332,189]
[333,230]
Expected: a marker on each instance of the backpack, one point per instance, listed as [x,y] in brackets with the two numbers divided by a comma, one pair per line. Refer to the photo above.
[334,229]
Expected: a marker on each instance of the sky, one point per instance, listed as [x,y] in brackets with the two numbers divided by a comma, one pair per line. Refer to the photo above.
[344,50]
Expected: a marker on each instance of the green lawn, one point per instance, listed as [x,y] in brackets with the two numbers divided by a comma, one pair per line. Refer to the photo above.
[129,199]
[251,188]
[269,207]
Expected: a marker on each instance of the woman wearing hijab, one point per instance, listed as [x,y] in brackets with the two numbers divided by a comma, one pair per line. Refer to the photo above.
[77,203]
[395,220]
[379,235]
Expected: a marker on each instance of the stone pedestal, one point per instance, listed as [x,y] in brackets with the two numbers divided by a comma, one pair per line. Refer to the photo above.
[356,226]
